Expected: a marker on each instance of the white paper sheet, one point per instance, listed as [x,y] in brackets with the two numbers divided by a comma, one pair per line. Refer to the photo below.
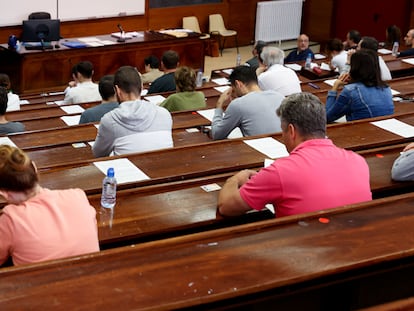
[268,146]
[325,66]
[125,170]
[394,92]
[396,126]
[222,89]
[71,109]
[155,99]
[295,67]
[319,56]
[7,141]
[228,71]
[330,82]
[408,60]
[384,51]
[71,120]
[221,81]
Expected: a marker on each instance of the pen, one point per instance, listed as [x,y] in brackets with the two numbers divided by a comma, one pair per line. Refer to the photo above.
[313,85]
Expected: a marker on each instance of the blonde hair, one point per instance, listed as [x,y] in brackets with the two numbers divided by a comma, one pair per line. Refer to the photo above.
[16,170]
[185,79]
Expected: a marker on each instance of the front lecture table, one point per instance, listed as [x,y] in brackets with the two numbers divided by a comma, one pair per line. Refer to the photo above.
[37,71]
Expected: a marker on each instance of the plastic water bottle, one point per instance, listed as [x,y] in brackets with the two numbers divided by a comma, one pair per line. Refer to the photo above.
[308,61]
[108,198]
[199,80]
[395,47]
[238,60]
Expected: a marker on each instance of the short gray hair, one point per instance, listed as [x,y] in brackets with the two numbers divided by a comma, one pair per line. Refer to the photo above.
[272,55]
[306,112]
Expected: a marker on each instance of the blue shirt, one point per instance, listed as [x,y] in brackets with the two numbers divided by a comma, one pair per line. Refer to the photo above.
[294,56]
[358,101]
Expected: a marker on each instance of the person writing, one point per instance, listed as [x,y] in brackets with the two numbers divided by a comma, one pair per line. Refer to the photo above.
[37,223]
[316,175]
[186,98]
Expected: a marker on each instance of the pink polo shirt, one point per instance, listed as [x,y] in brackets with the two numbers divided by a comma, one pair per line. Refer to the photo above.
[316,175]
[53,224]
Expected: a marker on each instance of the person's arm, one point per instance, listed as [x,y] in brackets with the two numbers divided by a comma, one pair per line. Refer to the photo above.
[6,237]
[403,167]
[230,203]
[221,126]
[104,142]
[385,71]
[336,106]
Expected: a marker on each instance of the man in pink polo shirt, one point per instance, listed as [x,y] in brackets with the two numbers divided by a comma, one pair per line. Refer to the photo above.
[316,175]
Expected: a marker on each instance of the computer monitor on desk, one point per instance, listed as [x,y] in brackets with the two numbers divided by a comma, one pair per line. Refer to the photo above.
[41,30]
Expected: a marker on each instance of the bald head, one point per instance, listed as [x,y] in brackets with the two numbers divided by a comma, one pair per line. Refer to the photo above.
[303,42]
[409,38]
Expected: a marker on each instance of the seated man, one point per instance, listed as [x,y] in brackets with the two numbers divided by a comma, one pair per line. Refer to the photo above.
[301,52]
[257,49]
[352,39]
[13,103]
[136,125]
[409,42]
[152,71]
[252,110]
[109,102]
[82,89]
[7,127]
[166,83]
[316,175]
[277,77]
[403,167]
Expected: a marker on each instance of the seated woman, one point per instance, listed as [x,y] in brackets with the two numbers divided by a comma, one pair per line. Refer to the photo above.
[186,97]
[364,94]
[13,99]
[7,127]
[40,224]
[403,167]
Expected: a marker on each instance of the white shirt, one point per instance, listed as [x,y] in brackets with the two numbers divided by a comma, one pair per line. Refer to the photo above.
[339,62]
[385,71]
[82,93]
[13,102]
[280,79]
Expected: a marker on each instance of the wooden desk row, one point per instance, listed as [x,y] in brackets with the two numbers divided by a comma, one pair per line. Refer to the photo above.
[362,257]
[210,158]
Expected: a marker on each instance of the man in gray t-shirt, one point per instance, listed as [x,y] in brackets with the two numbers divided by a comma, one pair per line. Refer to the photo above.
[252,110]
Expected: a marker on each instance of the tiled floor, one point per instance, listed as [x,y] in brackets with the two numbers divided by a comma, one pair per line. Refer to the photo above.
[229,57]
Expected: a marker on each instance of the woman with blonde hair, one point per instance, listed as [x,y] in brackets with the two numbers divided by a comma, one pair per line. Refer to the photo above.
[186,98]
[37,223]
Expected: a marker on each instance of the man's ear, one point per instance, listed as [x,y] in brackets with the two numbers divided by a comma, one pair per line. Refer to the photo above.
[4,194]
[291,131]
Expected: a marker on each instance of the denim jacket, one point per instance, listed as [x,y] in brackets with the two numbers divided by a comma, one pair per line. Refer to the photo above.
[358,101]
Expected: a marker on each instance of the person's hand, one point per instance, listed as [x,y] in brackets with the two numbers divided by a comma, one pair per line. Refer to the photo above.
[409,147]
[243,176]
[349,54]
[72,83]
[342,79]
[224,98]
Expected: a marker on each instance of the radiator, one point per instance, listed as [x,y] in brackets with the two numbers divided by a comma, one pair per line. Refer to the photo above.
[278,20]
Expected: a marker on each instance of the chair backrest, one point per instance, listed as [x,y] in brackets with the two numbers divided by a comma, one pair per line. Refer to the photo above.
[216,23]
[191,22]
[39,15]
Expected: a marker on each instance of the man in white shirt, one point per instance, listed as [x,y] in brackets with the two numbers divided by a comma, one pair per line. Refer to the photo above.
[82,89]
[276,76]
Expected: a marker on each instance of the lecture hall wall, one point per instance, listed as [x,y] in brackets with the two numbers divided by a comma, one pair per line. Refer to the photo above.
[322,19]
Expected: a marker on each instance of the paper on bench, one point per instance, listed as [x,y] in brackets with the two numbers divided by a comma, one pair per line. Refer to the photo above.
[71,109]
[209,114]
[384,51]
[155,99]
[268,146]
[71,120]
[408,61]
[221,81]
[125,170]
[7,141]
[295,67]
[222,89]
[396,126]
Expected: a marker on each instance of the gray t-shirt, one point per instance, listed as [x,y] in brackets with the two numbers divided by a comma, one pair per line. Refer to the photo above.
[11,127]
[95,114]
[254,113]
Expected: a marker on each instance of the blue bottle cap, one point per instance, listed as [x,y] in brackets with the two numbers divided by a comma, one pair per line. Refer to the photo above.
[111,172]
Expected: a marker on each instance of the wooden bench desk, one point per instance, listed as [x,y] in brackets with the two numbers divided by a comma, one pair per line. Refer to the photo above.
[362,257]
[211,158]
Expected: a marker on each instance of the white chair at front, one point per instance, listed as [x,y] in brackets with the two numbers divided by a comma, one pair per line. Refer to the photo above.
[217,28]
[191,23]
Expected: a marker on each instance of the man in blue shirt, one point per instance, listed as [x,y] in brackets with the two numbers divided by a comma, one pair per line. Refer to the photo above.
[301,52]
